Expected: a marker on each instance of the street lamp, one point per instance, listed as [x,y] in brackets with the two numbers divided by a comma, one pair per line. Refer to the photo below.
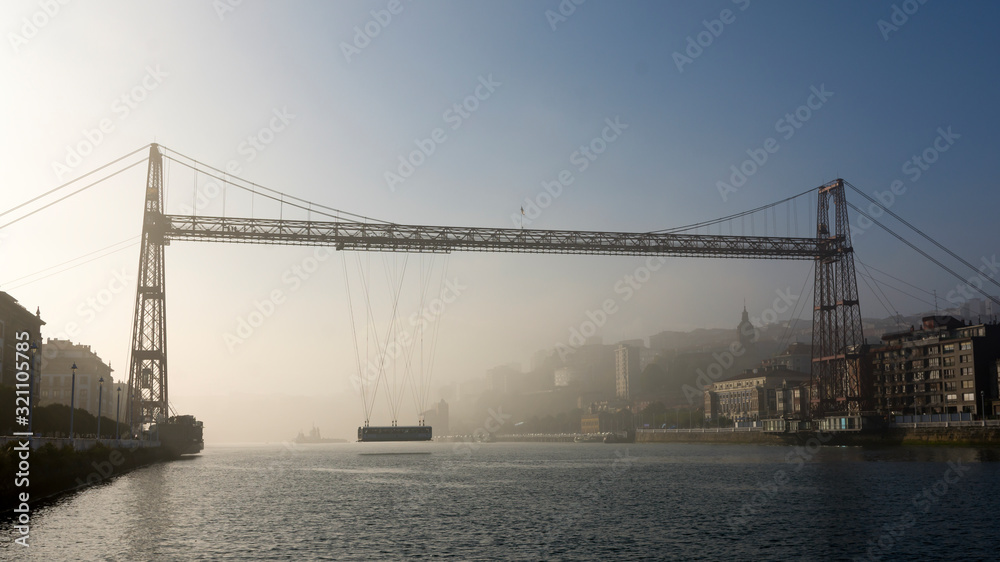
[100,402]
[118,411]
[72,400]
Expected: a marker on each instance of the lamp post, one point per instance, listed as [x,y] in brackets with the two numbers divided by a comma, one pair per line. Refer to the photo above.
[72,400]
[118,412]
[982,400]
[100,402]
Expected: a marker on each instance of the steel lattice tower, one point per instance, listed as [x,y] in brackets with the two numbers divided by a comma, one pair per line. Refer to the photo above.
[147,377]
[838,341]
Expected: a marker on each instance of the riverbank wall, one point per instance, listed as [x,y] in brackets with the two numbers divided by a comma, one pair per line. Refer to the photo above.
[49,471]
[964,436]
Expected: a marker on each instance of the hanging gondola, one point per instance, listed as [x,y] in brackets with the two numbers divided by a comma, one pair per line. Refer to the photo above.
[395,433]
[397,347]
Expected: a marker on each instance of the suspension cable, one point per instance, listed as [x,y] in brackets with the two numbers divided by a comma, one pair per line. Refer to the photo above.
[255,189]
[923,253]
[920,232]
[730,217]
[51,191]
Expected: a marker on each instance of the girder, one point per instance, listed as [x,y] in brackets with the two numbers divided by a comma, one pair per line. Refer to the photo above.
[839,381]
[414,238]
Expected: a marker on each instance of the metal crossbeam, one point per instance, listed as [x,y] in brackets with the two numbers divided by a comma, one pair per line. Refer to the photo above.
[411,238]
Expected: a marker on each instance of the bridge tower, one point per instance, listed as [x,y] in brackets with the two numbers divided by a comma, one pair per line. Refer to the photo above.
[147,376]
[838,377]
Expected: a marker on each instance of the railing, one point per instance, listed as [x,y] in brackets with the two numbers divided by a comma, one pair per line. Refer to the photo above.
[704,430]
[975,423]
[81,444]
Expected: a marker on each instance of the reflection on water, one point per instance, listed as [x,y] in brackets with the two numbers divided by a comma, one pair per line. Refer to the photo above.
[534,501]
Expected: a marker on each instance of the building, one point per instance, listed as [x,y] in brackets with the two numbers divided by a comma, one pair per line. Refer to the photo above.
[505,379]
[753,395]
[792,400]
[594,365]
[15,320]
[437,418]
[566,376]
[57,383]
[627,369]
[797,357]
[598,422]
[943,368]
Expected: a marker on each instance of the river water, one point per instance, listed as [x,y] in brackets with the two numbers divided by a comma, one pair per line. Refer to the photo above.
[552,501]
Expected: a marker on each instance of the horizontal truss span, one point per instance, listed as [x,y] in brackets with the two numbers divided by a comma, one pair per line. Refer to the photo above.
[443,239]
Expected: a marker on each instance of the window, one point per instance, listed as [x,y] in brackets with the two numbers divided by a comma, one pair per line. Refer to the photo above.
[949,361]
[949,347]
[965,359]
[933,349]
[934,362]
[935,374]
[969,397]
[967,371]
[950,386]
[968,384]
[951,397]
[949,373]
[965,346]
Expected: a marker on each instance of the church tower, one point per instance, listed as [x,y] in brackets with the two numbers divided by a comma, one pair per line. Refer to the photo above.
[746,332]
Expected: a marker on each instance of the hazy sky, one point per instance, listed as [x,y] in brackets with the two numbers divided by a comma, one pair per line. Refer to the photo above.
[334,94]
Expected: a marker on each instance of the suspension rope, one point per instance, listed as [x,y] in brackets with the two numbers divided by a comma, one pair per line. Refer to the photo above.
[786,336]
[923,253]
[72,181]
[354,334]
[730,217]
[255,188]
[921,233]
[65,197]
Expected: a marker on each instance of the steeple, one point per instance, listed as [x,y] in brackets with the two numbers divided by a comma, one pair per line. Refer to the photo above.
[745,331]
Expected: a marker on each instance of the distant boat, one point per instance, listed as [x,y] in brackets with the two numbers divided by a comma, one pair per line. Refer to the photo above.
[314,437]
